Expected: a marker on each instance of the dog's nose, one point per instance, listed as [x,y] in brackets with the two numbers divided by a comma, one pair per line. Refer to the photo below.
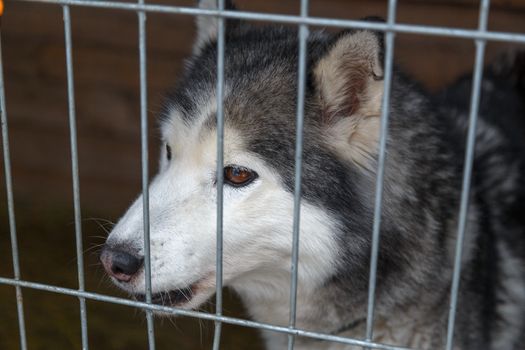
[120,264]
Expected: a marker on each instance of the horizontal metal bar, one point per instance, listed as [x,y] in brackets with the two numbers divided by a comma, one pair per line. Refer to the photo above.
[311,21]
[196,314]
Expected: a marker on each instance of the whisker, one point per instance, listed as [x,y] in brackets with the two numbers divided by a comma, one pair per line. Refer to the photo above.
[184,294]
[98,237]
[106,221]
[172,321]
[202,328]
[102,223]
[95,246]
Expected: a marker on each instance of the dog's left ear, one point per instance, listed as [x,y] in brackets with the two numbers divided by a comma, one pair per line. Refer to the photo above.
[349,84]
[207,25]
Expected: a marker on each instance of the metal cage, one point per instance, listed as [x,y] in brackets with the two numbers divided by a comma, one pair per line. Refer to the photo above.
[480,36]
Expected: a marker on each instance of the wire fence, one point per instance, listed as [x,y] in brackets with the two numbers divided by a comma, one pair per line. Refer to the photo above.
[304,21]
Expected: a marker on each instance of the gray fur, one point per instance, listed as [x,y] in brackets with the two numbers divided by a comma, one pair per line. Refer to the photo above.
[421,192]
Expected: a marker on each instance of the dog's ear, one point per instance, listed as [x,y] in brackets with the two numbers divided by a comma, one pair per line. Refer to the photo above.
[349,83]
[207,25]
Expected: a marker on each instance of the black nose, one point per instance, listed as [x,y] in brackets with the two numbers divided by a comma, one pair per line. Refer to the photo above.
[120,264]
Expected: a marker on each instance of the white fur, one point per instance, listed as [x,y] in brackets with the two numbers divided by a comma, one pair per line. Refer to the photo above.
[258,221]
[510,296]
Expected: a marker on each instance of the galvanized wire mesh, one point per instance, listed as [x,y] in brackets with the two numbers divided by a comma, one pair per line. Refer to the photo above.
[480,36]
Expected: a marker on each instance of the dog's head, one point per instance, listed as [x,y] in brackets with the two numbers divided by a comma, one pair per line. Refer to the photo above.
[341,127]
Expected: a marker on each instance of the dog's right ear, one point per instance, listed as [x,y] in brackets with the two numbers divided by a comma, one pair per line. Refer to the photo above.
[349,84]
[207,25]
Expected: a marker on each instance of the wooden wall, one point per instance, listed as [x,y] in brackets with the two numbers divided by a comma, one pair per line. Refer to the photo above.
[107,82]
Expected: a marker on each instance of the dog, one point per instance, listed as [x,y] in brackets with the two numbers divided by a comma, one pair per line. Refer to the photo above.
[342,120]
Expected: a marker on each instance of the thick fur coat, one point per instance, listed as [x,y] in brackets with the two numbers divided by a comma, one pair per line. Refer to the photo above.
[424,163]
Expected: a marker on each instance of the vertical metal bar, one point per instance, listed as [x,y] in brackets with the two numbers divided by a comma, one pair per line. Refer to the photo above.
[389,58]
[301,83]
[74,170]
[11,207]
[145,176]
[467,170]
[220,173]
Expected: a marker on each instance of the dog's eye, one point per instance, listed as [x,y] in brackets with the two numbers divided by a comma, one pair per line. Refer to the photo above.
[168,152]
[238,176]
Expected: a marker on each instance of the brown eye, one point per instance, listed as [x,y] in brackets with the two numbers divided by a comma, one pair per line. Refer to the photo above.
[168,152]
[238,176]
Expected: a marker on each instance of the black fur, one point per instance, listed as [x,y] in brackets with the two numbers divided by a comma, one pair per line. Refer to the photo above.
[426,146]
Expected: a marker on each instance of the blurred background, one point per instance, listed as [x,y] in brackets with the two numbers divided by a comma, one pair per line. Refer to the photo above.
[106,68]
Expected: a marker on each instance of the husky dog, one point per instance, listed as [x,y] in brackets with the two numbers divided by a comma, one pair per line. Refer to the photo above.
[422,185]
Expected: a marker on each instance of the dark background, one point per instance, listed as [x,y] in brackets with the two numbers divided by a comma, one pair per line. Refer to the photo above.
[106,68]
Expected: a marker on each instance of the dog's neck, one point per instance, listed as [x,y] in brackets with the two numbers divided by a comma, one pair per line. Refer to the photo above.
[318,310]
[267,300]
